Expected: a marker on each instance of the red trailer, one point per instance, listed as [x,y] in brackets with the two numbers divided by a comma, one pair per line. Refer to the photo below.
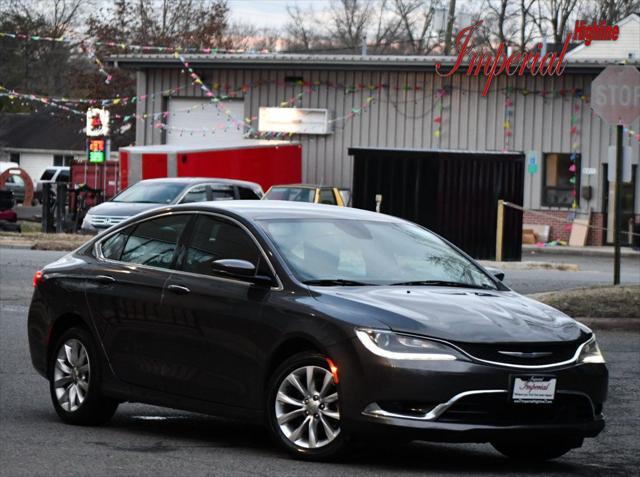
[255,160]
[102,177]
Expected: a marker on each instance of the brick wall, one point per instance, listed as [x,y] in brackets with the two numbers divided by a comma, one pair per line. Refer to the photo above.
[560,227]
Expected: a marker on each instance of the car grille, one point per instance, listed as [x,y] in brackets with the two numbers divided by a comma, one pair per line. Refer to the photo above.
[533,354]
[104,221]
[497,410]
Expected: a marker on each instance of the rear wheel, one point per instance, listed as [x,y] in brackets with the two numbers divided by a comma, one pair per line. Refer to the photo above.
[75,379]
[303,408]
[539,450]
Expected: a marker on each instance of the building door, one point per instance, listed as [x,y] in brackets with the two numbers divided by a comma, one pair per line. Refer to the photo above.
[197,121]
[628,201]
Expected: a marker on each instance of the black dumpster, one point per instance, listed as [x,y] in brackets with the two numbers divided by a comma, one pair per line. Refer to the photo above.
[454,193]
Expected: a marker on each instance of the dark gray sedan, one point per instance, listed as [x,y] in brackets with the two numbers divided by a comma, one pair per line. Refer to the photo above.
[328,324]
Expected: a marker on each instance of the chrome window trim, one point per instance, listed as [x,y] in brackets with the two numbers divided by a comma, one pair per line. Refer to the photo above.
[97,248]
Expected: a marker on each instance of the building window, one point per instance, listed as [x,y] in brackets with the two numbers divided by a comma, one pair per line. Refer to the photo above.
[561,178]
[62,160]
[15,157]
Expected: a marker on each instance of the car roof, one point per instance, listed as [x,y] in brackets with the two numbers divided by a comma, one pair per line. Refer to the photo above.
[282,209]
[308,186]
[198,180]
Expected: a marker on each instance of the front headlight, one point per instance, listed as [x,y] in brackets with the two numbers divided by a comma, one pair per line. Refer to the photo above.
[398,346]
[86,223]
[591,352]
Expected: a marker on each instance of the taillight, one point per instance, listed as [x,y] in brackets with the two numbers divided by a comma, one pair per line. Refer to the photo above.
[37,278]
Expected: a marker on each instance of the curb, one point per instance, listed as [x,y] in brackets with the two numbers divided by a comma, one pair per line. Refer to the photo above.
[586,252]
[612,324]
[18,244]
[531,265]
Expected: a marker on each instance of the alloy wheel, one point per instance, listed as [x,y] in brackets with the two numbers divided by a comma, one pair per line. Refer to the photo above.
[306,407]
[71,375]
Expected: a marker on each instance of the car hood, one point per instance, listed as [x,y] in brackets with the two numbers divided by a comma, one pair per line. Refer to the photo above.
[121,209]
[460,315]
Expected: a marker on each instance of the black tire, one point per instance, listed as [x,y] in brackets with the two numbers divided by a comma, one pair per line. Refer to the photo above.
[332,450]
[94,409]
[538,450]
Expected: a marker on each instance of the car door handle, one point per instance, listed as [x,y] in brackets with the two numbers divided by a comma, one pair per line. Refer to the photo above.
[178,289]
[105,279]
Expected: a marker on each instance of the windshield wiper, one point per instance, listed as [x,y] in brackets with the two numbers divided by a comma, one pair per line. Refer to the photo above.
[442,283]
[327,282]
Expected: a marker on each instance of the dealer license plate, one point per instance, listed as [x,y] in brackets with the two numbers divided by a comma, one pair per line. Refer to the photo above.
[533,389]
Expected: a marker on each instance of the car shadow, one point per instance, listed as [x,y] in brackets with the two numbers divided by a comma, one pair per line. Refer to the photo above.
[173,431]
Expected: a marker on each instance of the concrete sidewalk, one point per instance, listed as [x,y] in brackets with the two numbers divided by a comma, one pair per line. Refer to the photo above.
[590,251]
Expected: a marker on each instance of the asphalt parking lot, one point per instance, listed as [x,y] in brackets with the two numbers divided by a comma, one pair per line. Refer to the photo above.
[145,440]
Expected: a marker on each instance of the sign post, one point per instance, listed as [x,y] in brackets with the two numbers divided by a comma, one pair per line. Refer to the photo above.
[615,97]
[98,146]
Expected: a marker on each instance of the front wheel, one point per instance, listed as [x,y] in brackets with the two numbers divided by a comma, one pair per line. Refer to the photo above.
[303,408]
[75,379]
[539,450]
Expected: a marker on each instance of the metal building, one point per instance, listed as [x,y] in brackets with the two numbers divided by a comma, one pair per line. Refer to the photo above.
[398,102]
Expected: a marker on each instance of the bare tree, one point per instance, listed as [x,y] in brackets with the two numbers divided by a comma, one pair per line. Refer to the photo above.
[499,23]
[349,21]
[415,18]
[556,15]
[610,11]
[248,37]
[525,30]
[301,30]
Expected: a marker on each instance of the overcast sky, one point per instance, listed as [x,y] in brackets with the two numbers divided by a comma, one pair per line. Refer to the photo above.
[271,13]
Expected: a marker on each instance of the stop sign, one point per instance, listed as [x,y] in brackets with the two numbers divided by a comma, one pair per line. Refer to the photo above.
[615,94]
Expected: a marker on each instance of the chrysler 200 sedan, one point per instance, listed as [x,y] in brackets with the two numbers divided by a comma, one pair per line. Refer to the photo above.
[329,325]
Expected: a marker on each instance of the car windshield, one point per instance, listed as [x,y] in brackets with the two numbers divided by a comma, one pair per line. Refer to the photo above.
[296,194]
[353,252]
[150,193]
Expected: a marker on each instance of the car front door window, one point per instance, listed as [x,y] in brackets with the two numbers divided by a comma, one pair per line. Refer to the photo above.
[327,197]
[214,239]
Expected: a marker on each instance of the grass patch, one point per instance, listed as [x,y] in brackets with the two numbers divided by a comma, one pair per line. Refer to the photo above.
[40,241]
[622,301]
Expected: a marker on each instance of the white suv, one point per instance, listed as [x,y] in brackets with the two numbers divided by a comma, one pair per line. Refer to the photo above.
[53,175]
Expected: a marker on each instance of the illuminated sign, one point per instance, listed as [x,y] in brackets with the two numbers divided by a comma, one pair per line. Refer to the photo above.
[97,122]
[97,150]
[294,120]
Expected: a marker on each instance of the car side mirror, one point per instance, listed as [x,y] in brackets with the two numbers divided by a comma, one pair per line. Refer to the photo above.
[496,272]
[242,269]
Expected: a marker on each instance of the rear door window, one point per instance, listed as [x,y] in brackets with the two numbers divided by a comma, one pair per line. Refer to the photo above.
[112,247]
[247,194]
[63,176]
[154,242]
[222,192]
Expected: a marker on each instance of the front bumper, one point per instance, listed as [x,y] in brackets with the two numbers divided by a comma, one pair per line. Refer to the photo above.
[462,401]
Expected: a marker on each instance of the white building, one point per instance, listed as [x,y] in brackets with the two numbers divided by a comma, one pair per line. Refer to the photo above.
[38,141]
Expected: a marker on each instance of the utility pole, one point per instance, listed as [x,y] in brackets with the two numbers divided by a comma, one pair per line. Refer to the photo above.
[449,32]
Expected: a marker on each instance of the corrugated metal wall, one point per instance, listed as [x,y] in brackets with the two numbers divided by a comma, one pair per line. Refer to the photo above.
[405,118]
